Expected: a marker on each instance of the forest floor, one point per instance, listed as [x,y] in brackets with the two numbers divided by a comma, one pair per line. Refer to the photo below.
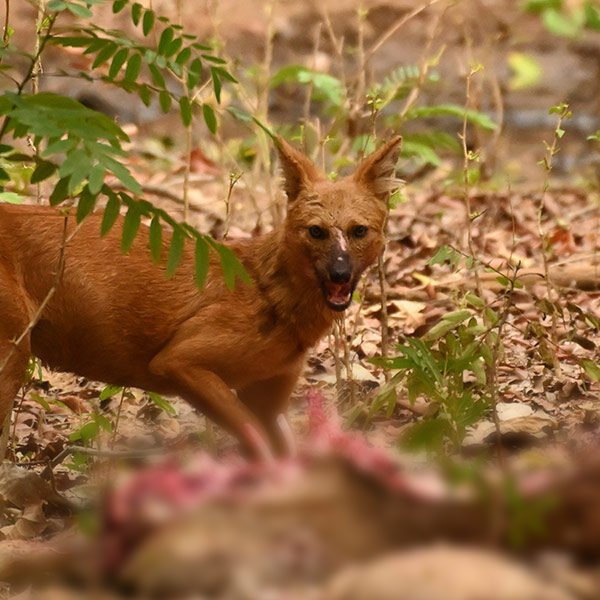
[75,433]
[548,406]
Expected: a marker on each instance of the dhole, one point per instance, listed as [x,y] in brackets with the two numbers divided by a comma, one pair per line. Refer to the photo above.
[116,318]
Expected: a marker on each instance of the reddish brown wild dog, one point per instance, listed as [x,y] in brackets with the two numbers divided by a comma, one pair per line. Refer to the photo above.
[235,355]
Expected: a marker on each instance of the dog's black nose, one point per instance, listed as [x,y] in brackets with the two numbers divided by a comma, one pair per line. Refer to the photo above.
[340,270]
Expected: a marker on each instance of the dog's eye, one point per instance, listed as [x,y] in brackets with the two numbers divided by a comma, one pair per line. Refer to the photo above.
[317,232]
[359,231]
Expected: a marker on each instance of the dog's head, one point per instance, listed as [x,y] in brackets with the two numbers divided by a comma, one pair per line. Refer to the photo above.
[334,230]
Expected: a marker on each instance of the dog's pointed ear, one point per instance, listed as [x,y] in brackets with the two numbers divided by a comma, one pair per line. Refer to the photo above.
[298,170]
[377,171]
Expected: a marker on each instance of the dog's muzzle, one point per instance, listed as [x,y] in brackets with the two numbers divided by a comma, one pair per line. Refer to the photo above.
[339,285]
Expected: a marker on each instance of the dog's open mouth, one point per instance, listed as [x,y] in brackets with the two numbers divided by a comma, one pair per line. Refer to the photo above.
[338,295]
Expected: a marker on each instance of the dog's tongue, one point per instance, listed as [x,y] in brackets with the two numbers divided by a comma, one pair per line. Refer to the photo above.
[339,293]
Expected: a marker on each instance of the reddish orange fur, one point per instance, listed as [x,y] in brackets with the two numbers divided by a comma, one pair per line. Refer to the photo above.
[116,317]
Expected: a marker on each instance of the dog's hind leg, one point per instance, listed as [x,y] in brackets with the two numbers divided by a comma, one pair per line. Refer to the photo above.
[14,319]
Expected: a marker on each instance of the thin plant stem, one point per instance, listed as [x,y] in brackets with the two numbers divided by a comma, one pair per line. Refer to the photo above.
[186,173]
[35,76]
[5,34]
[425,62]
[359,92]
[347,361]
[275,205]
[128,454]
[385,330]
[309,87]
[37,64]
[336,360]
[562,111]
[11,440]
[468,157]
[396,26]
[233,179]
[117,418]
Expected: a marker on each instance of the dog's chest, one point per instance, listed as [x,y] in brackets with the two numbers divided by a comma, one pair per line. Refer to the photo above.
[259,357]
[274,355]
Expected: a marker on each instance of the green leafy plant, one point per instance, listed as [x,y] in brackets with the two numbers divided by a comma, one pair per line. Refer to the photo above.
[452,367]
[73,148]
[90,430]
[383,100]
[566,19]
[448,368]
[325,88]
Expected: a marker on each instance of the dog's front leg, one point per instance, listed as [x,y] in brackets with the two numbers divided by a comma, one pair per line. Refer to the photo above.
[268,400]
[207,392]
